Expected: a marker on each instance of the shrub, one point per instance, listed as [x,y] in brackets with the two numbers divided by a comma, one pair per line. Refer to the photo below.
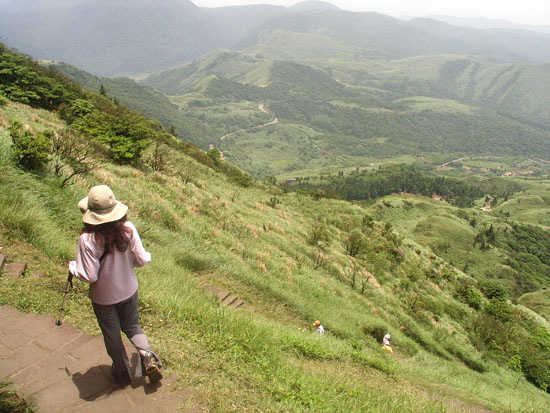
[355,243]
[3,100]
[273,202]
[71,156]
[493,289]
[500,310]
[30,150]
[469,294]
[318,234]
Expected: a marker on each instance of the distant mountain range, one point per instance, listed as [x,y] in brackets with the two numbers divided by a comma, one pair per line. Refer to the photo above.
[117,37]
[484,23]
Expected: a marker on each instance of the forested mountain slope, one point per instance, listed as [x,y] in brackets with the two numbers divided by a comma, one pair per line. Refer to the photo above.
[120,38]
[351,111]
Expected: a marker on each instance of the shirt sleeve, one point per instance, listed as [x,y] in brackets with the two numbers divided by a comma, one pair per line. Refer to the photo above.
[140,257]
[87,264]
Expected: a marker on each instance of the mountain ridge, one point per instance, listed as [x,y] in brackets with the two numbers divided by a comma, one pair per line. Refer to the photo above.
[111,38]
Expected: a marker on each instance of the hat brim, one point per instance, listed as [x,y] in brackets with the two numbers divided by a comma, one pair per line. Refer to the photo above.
[94,218]
[83,204]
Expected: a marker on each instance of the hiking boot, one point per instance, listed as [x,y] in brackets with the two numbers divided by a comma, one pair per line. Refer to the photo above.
[150,368]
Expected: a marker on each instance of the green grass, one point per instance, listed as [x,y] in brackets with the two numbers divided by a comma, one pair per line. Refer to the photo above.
[538,301]
[10,402]
[199,227]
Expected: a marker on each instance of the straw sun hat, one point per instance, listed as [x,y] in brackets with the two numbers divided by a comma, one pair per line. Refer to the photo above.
[101,206]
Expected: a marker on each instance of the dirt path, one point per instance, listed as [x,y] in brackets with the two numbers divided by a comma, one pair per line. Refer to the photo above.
[450,162]
[262,109]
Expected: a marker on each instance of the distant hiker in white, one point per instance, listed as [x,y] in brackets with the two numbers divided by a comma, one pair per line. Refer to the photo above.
[386,344]
[320,329]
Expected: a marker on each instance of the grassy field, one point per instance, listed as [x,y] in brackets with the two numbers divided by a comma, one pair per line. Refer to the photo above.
[268,248]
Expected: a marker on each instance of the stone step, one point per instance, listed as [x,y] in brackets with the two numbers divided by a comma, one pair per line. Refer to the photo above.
[36,274]
[237,303]
[8,315]
[226,297]
[39,375]
[229,300]
[213,290]
[61,369]
[24,329]
[15,270]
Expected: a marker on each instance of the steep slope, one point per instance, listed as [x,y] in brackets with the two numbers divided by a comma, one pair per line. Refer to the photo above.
[519,91]
[182,79]
[358,110]
[291,257]
[140,98]
[112,37]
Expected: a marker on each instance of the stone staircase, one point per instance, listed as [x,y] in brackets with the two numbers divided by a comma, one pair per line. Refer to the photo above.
[225,297]
[61,369]
[16,269]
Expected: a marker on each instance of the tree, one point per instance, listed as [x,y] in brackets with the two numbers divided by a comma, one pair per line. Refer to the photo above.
[70,156]
[355,243]
[215,155]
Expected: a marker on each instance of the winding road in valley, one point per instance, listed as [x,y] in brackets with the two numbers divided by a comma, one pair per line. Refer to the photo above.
[450,162]
[264,110]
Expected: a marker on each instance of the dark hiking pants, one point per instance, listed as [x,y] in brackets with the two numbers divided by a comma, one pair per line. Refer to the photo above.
[112,320]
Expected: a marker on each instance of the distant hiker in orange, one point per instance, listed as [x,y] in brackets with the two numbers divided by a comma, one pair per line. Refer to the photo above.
[320,329]
[109,247]
[386,344]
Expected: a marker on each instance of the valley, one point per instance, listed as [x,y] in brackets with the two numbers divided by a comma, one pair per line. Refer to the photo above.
[377,174]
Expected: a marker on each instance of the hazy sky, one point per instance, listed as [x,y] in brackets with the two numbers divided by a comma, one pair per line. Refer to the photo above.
[519,11]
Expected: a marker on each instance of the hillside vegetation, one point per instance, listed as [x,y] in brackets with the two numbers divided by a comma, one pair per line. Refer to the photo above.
[294,258]
[114,38]
[345,111]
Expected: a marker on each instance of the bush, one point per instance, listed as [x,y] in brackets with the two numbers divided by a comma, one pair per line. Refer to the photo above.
[493,289]
[30,150]
[3,100]
[469,294]
[318,234]
[356,243]
[500,310]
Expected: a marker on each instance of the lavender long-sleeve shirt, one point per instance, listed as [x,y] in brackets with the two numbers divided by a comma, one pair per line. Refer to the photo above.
[113,280]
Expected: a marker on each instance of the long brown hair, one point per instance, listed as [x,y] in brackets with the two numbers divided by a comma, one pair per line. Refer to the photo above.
[114,234]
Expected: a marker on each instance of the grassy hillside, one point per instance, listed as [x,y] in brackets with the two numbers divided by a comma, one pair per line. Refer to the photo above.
[292,257]
[358,111]
[111,38]
[144,100]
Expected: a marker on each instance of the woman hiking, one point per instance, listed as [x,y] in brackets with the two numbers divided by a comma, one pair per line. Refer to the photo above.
[109,247]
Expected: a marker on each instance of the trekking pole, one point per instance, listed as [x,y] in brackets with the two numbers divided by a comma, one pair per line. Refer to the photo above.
[67,289]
